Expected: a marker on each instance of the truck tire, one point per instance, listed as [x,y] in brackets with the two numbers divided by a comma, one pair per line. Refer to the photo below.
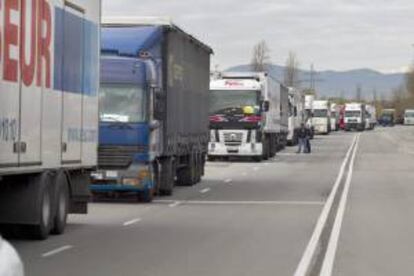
[61,204]
[166,177]
[44,207]
[187,176]
[266,149]
[147,196]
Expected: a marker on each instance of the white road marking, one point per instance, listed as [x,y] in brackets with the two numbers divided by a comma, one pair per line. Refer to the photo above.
[206,190]
[132,221]
[228,181]
[174,204]
[245,202]
[312,246]
[329,259]
[56,251]
[256,169]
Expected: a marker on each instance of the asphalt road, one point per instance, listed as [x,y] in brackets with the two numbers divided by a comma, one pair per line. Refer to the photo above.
[345,209]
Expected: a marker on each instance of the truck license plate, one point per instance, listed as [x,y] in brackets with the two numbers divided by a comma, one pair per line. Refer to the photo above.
[111,174]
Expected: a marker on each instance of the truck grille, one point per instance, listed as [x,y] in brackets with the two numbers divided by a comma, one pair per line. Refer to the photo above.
[233,138]
[118,157]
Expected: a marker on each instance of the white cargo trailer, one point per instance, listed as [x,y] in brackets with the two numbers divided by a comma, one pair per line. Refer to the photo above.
[49,77]
[321,119]
[334,117]
[370,117]
[296,114]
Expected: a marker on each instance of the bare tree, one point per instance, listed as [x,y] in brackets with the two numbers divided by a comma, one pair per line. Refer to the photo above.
[291,73]
[261,58]
[409,81]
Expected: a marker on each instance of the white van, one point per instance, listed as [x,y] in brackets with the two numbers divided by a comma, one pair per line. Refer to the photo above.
[409,117]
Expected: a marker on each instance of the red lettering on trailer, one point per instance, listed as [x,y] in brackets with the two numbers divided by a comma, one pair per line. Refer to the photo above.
[43,43]
[1,40]
[28,70]
[11,39]
[15,36]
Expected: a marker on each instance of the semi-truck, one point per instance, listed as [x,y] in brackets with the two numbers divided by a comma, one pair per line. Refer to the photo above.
[409,117]
[248,115]
[321,119]
[49,80]
[371,117]
[296,115]
[355,116]
[309,99]
[153,108]
[388,117]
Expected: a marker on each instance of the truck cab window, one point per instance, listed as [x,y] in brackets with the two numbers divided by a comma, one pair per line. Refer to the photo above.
[124,103]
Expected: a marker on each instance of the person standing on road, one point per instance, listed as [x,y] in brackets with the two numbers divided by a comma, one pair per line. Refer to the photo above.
[308,148]
[303,136]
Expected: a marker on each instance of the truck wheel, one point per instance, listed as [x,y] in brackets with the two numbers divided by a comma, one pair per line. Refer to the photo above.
[187,175]
[61,204]
[146,196]
[42,229]
[266,145]
[166,177]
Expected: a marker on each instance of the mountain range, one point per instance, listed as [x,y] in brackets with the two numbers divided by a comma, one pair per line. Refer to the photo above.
[341,83]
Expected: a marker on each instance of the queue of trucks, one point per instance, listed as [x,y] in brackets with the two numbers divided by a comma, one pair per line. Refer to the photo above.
[128,106]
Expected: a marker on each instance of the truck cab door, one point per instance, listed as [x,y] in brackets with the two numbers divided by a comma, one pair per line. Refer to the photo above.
[72,83]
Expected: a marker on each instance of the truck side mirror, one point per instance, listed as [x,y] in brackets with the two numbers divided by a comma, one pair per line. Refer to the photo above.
[265,106]
[158,103]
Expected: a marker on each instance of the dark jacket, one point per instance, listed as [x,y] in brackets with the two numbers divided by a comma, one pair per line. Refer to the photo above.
[303,133]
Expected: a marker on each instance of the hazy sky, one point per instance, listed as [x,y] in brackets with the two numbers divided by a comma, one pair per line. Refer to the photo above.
[334,34]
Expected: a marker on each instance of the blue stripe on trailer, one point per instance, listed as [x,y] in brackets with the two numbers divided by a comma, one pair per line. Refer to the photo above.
[76,54]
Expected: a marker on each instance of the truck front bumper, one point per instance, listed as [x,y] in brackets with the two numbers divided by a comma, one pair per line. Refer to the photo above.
[246,149]
[138,179]
[321,129]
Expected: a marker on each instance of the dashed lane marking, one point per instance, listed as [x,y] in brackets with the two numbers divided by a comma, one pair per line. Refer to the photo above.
[132,221]
[206,190]
[56,251]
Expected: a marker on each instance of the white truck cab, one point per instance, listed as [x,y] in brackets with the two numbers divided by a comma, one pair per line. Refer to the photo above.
[409,117]
[248,115]
[355,116]
[321,120]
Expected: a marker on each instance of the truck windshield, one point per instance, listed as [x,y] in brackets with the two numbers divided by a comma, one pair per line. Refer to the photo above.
[125,103]
[320,113]
[409,115]
[220,100]
[352,113]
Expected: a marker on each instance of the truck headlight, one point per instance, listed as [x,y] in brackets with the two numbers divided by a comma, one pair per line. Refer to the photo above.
[144,174]
[131,181]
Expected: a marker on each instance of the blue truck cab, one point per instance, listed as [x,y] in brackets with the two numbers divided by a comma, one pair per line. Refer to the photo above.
[153,108]
[126,151]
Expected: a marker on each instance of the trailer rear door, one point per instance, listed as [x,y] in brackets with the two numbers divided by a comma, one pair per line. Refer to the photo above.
[30,93]
[72,81]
